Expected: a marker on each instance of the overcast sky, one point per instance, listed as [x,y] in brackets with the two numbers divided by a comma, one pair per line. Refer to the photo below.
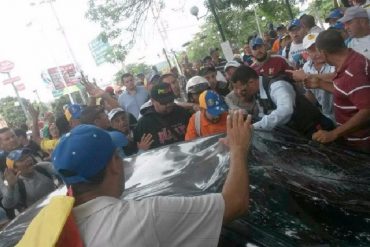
[31,40]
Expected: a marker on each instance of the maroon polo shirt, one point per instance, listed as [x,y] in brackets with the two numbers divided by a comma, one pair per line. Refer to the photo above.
[275,65]
[351,94]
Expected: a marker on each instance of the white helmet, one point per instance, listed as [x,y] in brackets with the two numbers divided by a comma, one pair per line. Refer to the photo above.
[196,84]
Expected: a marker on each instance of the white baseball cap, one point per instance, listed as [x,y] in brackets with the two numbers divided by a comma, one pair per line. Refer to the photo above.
[309,40]
[114,112]
[194,81]
[234,64]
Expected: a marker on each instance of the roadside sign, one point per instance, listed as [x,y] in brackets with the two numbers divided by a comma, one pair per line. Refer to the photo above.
[6,66]
[11,80]
[20,87]
[67,90]
[99,50]
[227,51]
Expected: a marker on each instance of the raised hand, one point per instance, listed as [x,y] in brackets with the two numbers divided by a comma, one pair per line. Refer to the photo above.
[33,112]
[11,177]
[239,132]
[145,142]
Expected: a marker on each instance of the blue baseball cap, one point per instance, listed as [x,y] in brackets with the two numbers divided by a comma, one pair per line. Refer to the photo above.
[337,26]
[73,111]
[212,102]
[16,155]
[294,23]
[84,152]
[334,14]
[256,41]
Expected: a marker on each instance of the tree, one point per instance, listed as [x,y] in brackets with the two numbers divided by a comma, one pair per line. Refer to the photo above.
[12,111]
[238,23]
[121,19]
[134,69]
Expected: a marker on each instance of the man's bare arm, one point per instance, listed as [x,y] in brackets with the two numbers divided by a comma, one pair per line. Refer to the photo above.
[236,188]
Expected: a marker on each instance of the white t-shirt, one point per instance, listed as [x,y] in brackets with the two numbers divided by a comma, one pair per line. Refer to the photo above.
[156,221]
[361,45]
[296,55]
[324,98]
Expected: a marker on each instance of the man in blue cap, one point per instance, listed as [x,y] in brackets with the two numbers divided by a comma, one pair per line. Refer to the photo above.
[95,173]
[294,51]
[25,182]
[334,16]
[211,119]
[266,64]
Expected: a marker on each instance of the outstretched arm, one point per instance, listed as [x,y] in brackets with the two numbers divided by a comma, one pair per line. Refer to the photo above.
[35,124]
[236,188]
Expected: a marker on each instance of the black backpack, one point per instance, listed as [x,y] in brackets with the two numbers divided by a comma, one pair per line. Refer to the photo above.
[305,116]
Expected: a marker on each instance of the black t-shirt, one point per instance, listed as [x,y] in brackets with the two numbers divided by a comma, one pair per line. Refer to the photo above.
[165,129]
[222,88]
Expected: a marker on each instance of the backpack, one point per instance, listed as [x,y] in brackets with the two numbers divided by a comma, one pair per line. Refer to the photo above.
[305,116]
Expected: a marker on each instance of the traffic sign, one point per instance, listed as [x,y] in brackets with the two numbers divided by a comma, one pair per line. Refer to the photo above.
[20,87]
[99,50]
[11,80]
[6,66]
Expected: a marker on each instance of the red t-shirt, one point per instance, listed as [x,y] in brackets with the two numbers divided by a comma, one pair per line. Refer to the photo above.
[351,94]
[273,66]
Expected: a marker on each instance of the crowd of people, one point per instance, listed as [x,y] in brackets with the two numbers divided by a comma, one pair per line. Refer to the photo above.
[315,82]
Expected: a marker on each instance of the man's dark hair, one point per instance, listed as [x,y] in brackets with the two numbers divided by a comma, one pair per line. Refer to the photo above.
[206,58]
[20,132]
[250,37]
[206,70]
[125,75]
[330,41]
[3,130]
[164,76]
[90,114]
[308,20]
[244,74]
[62,125]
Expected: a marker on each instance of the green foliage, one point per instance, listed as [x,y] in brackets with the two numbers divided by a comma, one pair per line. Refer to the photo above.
[134,69]
[120,19]
[12,111]
[320,8]
[238,23]
[57,105]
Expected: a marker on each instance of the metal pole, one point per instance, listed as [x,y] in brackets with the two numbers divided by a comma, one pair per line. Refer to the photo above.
[168,60]
[60,27]
[213,10]
[19,98]
[257,21]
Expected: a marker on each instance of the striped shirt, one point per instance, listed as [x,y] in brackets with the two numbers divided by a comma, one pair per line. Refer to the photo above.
[351,94]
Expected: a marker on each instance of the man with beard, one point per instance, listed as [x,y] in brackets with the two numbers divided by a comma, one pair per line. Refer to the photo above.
[294,51]
[266,64]
[281,103]
[164,120]
[211,119]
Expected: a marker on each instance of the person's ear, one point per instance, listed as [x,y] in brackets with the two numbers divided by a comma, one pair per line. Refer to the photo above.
[115,164]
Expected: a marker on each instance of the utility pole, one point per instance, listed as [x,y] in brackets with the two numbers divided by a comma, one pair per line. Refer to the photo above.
[218,23]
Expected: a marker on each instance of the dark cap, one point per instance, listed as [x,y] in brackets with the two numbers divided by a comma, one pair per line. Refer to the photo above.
[212,50]
[293,24]
[162,93]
